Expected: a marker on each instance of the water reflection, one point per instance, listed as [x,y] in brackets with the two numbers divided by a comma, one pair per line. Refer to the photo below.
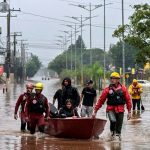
[28,142]
[135,133]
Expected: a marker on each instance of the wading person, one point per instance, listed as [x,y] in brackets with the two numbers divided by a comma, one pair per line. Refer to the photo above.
[70,92]
[87,99]
[135,90]
[68,110]
[21,102]
[35,108]
[117,96]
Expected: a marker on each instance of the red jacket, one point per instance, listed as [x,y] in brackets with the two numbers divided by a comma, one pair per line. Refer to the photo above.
[21,101]
[33,100]
[117,108]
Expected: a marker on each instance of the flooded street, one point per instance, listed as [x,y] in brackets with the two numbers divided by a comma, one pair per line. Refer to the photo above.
[135,136]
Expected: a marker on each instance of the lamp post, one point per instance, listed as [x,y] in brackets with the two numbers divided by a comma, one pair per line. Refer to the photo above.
[104,44]
[81,20]
[123,44]
[74,27]
[64,42]
[90,9]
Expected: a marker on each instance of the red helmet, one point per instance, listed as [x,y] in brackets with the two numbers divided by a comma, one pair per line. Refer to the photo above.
[29,86]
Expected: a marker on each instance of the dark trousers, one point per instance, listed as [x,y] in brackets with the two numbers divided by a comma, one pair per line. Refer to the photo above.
[116,121]
[24,124]
[136,102]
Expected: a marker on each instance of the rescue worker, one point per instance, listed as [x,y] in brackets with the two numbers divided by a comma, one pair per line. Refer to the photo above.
[135,90]
[35,108]
[68,110]
[117,96]
[87,99]
[21,102]
[70,92]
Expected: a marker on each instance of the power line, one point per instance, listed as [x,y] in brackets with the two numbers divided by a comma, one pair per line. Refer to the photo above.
[69,1]
[46,17]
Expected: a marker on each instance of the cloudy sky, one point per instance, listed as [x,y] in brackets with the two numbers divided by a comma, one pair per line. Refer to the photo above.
[39,25]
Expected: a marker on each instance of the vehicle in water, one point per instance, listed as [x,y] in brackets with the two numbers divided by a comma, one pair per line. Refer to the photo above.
[144,83]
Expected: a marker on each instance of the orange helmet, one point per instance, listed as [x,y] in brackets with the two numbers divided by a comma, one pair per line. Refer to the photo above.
[29,86]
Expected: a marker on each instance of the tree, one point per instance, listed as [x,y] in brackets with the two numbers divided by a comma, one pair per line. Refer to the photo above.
[59,63]
[137,32]
[32,66]
[115,53]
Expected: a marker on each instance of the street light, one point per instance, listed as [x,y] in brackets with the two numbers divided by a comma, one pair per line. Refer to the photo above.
[123,45]
[90,9]
[74,27]
[64,41]
[81,20]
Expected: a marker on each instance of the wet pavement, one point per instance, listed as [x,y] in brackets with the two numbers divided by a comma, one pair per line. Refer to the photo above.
[135,134]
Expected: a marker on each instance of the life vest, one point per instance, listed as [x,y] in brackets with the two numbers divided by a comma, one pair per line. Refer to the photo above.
[37,104]
[24,99]
[115,97]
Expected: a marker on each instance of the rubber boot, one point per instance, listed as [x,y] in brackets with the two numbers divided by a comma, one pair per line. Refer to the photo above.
[133,113]
[138,114]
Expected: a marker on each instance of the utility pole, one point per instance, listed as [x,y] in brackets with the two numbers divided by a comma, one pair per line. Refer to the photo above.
[23,58]
[90,10]
[15,34]
[64,43]
[123,44]
[71,50]
[8,50]
[66,52]
[81,54]
[8,47]
[91,55]
[74,27]
[80,20]
[104,45]
[75,63]
[14,52]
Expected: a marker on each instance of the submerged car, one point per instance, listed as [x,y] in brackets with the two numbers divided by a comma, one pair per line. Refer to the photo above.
[144,83]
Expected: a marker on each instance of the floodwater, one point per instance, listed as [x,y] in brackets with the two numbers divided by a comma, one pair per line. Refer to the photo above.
[135,134]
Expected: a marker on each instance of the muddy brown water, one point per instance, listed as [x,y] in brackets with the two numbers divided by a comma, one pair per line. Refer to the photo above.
[135,134]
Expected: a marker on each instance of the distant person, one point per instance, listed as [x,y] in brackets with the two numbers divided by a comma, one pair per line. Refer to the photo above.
[68,110]
[70,92]
[58,96]
[135,90]
[88,99]
[21,102]
[35,108]
[117,96]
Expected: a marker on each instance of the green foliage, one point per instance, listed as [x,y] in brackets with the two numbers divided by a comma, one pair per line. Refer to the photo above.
[59,63]
[67,73]
[137,32]
[32,66]
[115,53]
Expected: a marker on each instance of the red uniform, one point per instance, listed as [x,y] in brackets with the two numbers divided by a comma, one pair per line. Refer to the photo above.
[116,97]
[21,102]
[116,108]
[35,107]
